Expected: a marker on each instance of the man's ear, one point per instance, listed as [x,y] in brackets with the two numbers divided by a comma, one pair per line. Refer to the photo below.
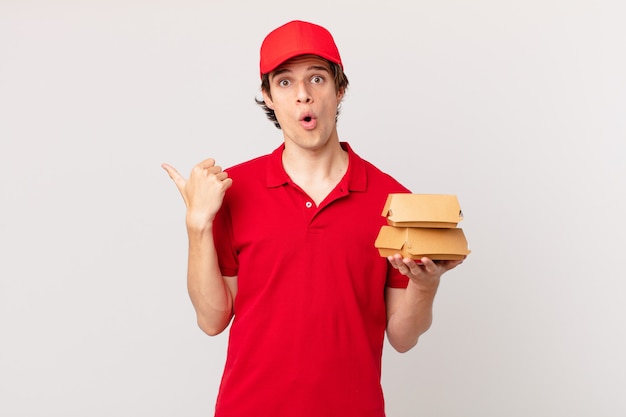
[267,98]
[340,94]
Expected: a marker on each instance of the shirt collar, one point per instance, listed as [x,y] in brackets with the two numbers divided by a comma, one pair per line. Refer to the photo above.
[356,177]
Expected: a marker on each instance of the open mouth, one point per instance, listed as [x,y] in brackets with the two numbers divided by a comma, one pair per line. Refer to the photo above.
[308,121]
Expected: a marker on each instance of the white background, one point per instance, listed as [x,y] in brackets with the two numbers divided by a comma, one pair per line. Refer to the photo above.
[518,107]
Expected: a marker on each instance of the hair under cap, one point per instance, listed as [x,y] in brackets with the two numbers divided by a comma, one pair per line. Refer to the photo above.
[297,38]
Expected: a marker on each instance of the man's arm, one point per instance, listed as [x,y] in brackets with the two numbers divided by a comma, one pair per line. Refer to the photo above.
[211,294]
[410,310]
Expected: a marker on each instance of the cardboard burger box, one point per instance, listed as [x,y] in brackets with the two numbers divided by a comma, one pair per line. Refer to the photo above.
[422,225]
[417,242]
[422,210]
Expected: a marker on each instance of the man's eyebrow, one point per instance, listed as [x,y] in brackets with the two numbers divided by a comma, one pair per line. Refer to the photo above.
[280,71]
[318,68]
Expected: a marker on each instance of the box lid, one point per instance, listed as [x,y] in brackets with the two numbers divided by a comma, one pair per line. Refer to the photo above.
[422,210]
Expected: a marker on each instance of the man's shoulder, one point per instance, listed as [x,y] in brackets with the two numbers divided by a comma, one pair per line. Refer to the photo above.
[381,179]
[378,178]
[249,164]
[250,168]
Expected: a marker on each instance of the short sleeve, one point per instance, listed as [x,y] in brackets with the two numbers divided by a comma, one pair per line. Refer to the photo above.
[395,279]
[224,244]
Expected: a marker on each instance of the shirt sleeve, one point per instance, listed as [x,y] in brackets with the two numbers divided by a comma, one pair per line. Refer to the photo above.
[395,279]
[224,242]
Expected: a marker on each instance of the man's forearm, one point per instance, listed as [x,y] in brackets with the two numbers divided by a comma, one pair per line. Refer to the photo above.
[210,296]
[412,317]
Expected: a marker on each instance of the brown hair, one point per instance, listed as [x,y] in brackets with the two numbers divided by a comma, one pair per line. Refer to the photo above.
[341,84]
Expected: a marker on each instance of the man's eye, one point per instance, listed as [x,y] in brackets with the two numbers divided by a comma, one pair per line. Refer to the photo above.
[317,79]
[283,83]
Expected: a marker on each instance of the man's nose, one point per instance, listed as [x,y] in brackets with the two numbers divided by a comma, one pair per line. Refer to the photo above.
[303,94]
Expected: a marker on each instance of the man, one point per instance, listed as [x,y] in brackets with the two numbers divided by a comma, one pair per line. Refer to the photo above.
[284,243]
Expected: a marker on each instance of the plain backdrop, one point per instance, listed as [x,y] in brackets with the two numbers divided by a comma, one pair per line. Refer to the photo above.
[517,107]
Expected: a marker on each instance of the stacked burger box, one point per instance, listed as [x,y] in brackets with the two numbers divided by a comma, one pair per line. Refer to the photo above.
[422,225]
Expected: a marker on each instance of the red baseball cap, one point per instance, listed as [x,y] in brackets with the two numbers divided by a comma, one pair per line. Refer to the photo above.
[297,38]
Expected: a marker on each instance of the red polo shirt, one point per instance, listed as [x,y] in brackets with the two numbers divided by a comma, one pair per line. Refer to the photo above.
[309,324]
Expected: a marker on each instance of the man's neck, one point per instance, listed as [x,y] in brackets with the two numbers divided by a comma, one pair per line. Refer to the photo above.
[317,171]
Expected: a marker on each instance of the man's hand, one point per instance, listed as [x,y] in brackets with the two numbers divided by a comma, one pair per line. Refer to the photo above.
[203,192]
[426,273]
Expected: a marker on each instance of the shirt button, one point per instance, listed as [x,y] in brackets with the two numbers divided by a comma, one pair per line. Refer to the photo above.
[309,204]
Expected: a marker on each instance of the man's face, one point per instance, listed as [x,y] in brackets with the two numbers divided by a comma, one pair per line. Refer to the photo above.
[305,101]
